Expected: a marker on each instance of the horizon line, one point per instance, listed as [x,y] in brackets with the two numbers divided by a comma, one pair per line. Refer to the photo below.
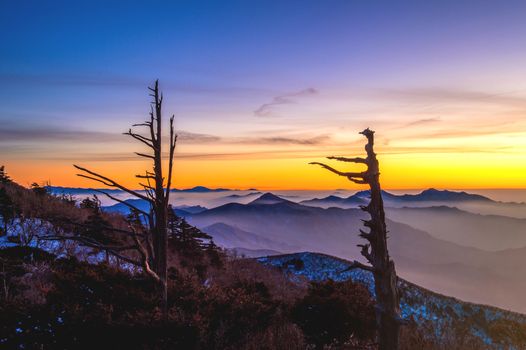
[227,188]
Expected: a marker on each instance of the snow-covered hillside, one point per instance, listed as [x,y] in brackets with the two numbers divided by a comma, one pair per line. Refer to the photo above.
[496,328]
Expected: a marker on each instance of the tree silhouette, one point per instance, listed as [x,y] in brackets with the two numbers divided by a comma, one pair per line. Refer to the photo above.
[96,226]
[375,251]
[186,237]
[38,190]
[4,178]
[7,210]
[150,242]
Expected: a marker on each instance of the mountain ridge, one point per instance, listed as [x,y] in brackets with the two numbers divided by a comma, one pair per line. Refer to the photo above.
[334,231]
[428,195]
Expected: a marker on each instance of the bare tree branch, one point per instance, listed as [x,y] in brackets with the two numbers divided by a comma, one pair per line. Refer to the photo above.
[94,246]
[109,182]
[348,175]
[131,206]
[144,155]
[145,263]
[358,265]
[349,160]
[141,138]
[145,176]
[173,140]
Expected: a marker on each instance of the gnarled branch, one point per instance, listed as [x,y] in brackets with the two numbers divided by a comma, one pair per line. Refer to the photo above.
[349,160]
[131,206]
[348,175]
[358,265]
[109,182]
[141,138]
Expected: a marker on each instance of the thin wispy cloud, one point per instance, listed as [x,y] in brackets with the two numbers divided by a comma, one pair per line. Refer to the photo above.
[190,137]
[423,121]
[285,140]
[268,109]
[41,134]
[21,133]
[15,131]
[128,156]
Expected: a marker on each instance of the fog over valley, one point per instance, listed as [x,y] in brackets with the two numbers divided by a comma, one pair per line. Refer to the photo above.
[464,244]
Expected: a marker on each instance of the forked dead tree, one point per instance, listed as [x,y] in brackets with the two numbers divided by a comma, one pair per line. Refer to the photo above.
[151,244]
[375,251]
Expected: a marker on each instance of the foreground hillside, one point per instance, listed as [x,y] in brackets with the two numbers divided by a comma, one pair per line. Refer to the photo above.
[295,301]
[450,319]
[57,296]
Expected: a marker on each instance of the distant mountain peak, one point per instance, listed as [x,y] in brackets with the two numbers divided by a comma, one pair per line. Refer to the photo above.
[363,194]
[433,194]
[202,189]
[332,197]
[431,190]
[268,198]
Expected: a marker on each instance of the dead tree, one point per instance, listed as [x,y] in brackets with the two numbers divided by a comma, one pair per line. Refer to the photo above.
[150,244]
[375,251]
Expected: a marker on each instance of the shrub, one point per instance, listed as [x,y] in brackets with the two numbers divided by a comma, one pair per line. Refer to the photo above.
[335,312]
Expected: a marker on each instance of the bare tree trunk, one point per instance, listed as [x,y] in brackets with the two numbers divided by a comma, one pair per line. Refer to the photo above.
[161,205]
[375,251]
[388,303]
[151,245]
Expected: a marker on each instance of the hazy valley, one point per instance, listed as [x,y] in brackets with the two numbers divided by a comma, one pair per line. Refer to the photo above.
[437,239]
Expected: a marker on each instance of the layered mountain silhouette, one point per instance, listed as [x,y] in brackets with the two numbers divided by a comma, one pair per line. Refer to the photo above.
[141,204]
[228,236]
[89,191]
[467,272]
[202,189]
[74,191]
[269,198]
[237,196]
[487,232]
[436,237]
[429,195]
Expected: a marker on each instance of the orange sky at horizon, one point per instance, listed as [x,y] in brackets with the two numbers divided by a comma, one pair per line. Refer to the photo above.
[398,171]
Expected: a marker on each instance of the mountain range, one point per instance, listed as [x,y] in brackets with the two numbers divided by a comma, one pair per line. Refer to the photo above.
[141,204]
[470,273]
[89,191]
[438,238]
[429,196]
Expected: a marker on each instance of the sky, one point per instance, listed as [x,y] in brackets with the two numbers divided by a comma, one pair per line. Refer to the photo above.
[261,88]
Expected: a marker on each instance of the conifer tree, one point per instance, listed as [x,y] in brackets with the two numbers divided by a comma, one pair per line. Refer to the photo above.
[38,190]
[186,237]
[7,210]
[7,206]
[4,178]
[95,227]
